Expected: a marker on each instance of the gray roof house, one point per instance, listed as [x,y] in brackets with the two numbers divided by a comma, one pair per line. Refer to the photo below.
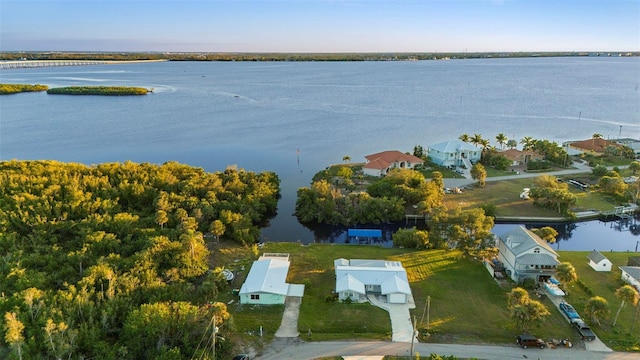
[356,278]
[599,262]
[631,275]
[454,153]
[525,255]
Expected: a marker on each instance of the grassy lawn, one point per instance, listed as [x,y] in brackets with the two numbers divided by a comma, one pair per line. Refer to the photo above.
[604,284]
[467,305]
[504,194]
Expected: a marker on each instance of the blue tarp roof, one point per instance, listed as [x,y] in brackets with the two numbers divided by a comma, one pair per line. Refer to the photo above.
[365,233]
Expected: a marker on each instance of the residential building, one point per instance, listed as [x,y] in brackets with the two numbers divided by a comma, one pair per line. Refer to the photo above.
[355,279]
[520,157]
[525,255]
[266,282]
[454,153]
[379,164]
[631,275]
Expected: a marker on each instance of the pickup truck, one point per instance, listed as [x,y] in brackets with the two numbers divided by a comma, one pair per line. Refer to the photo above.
[583,329]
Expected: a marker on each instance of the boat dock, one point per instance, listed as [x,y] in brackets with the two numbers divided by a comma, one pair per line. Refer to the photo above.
[621,212]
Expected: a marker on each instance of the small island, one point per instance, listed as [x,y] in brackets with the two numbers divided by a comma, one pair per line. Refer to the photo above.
[99,90]
[7,89]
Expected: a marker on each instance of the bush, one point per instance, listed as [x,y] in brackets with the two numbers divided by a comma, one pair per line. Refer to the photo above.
[529,283]
[588,290]
[489,209]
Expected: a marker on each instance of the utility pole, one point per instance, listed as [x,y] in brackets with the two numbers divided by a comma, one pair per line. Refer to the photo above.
[413,335]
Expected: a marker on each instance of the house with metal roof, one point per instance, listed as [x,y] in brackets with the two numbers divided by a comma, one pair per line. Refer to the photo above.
[599,262]
[266,282]
[454,153]
[379,164]
[631,275]
[525,255]
[355,279]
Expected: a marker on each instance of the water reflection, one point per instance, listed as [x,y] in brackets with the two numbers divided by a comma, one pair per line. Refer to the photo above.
[610,235]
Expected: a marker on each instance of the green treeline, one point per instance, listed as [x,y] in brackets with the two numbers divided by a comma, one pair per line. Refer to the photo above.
[98,90]
[6,89]
[111,261]
[205,56]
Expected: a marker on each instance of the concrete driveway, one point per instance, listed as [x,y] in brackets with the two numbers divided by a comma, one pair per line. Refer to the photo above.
[401,325]
[595,345]
[289,324]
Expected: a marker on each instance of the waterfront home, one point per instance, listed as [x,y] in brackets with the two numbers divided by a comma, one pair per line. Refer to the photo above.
[599,262]
[355,279]
[595,146]
[266,281]
[379,164]
[525,255]
[454,153]
[520,157]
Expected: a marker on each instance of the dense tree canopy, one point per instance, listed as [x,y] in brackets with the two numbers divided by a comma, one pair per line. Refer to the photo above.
[550,193]
[88,249]
[384,200]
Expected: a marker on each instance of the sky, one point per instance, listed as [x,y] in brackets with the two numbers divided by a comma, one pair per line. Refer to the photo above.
[311,26]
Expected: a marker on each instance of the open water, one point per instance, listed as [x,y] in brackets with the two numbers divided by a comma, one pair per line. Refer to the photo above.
[296,118]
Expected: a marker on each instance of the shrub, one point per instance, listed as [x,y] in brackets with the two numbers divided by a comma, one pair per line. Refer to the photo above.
[529,283]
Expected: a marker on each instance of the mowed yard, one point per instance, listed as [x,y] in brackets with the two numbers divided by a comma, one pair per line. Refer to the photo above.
[466,304]
[604,284]
[505,195]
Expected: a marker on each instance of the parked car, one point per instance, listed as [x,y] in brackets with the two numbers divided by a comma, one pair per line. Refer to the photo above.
[569,311]
[530,341]
[583,329]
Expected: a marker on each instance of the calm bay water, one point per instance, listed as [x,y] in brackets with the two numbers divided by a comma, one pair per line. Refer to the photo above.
[296,118]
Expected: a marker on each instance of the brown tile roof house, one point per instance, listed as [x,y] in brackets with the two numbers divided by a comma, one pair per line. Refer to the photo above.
[596,146]
[379,164]
[520,157]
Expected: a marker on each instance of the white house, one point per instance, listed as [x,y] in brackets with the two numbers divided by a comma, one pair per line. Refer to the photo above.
[355,279]
[598,262]
[525,255]
[454,153]
[266,281]
[379,164]
[631,275]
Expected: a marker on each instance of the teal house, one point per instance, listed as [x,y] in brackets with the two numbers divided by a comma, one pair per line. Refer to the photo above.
[266,282]
[454,153]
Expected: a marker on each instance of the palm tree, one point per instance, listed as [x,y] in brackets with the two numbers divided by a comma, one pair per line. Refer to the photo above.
[464,138]
[546,233]
[594,137]
[501,139]
[476,139]
[625,293]
[517,296]
[566,273]
[346,158]
[527,143]
[597,307]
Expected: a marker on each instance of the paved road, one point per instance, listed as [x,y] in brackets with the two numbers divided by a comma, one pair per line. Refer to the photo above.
[299,350]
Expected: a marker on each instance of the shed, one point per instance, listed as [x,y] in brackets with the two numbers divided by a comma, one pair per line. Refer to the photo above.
[599,262]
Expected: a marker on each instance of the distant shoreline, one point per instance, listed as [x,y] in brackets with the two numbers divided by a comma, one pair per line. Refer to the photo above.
[119,58]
